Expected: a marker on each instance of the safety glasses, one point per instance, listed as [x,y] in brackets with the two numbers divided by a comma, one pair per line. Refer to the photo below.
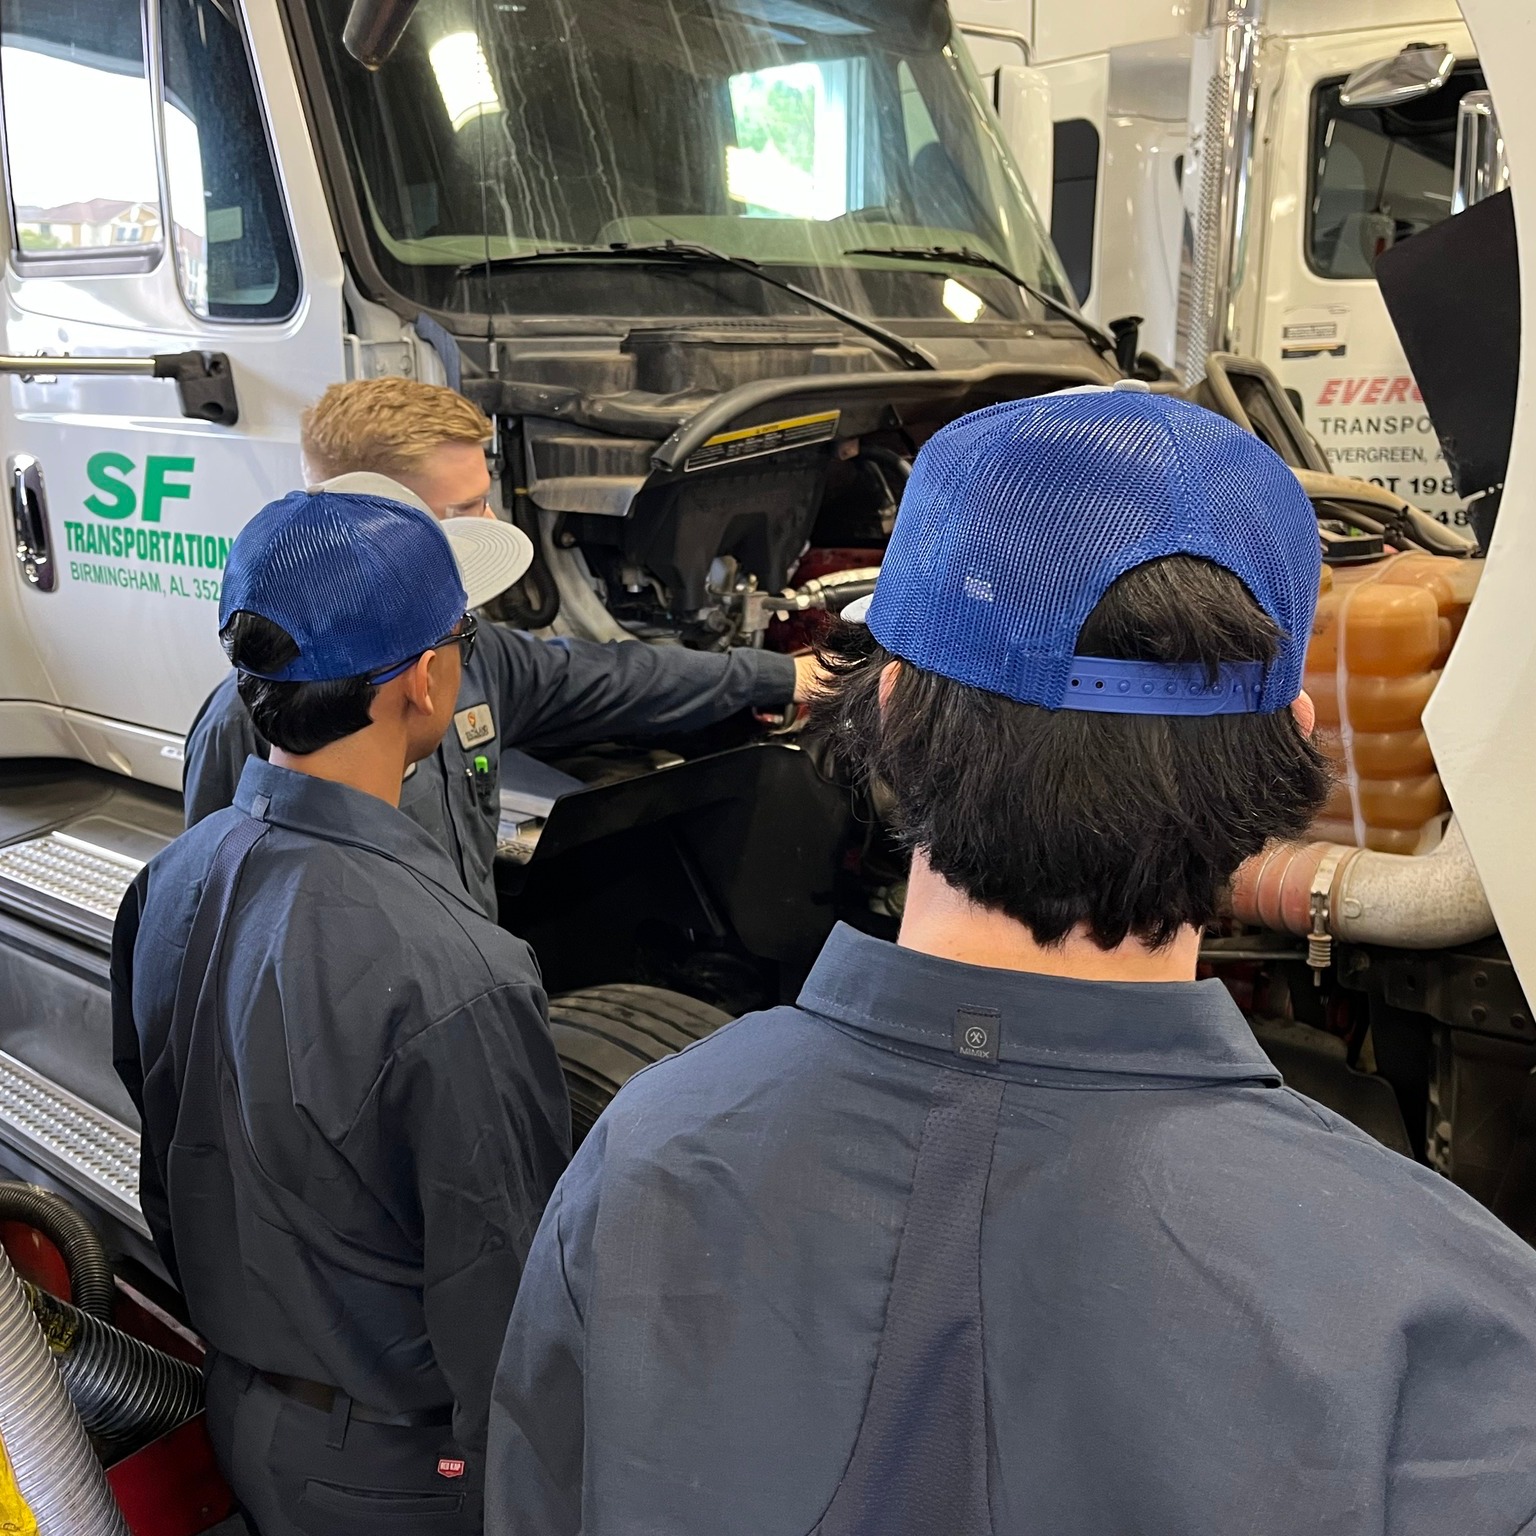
[464,635]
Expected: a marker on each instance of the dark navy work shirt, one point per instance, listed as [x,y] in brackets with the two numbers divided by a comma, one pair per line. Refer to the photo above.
[397,1118]
[944,1251]
[518,691]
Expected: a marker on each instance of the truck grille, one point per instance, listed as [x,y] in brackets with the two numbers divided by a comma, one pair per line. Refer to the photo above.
[70,871]
[82,1147]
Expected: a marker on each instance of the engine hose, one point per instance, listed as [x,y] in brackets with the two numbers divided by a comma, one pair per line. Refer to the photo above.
[891,472]
[533,601]
[888,458]
[1379,510]
[90,1275]
[1406,901]
[581,610]
[56,1469]
[126,1391]
[537,591]
[831,593]
[835,591]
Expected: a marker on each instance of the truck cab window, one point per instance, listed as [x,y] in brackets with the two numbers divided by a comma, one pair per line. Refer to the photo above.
[1075,198]
[78,128]
[1379,174]
[234,257]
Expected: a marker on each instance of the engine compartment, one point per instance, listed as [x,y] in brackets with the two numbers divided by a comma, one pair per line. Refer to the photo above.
[676,479]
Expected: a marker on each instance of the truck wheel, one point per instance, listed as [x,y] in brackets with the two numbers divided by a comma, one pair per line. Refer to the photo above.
[607,1034]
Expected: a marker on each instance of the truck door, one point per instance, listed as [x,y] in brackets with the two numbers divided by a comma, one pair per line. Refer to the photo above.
[150,212]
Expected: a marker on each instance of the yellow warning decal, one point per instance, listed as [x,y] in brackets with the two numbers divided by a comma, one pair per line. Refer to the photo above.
[16,1517]
[770,437]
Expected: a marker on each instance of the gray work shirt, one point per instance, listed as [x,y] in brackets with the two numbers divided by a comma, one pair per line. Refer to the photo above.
[398,1116]
[950,1249]
[517,691]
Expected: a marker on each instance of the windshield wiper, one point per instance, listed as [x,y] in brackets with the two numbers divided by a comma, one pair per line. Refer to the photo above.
[965,256]
[686,253]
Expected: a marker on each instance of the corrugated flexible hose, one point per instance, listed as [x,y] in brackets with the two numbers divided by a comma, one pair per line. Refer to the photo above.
[55,1467]
[126,1391]
[90,1272]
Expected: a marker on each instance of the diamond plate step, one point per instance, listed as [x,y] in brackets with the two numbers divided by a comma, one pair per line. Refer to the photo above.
[76,873]
[89,1151]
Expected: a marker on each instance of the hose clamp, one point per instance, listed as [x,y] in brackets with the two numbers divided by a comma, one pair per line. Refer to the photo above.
[1319,935]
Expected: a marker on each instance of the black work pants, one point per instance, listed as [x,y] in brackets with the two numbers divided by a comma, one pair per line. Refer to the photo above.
[298,1471]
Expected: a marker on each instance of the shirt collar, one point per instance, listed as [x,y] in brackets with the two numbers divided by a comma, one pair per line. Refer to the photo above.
[1048,1025]
[341,814]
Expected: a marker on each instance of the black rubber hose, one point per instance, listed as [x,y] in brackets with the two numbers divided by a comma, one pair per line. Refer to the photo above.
[535,593]
[90,1273]
[889,459]
[127,1392]
[533,601]
[838,597]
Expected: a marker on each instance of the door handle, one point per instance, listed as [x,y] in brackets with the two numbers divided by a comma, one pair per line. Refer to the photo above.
[203,379]
[29,513]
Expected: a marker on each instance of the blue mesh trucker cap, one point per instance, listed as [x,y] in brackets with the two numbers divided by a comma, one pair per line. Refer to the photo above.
[363,584]
[1018,518]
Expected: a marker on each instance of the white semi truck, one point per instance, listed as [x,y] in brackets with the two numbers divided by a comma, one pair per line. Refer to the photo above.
[714,298]
[1230,172]
[716,268]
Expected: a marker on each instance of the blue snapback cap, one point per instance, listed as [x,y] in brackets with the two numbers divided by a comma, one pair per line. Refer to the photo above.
[1018,518]
[361,583]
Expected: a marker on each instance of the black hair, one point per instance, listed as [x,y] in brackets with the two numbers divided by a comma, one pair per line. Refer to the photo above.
[1129,825]
[298,717]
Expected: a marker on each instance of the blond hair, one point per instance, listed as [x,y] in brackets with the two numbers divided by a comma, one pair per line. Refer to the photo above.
[387,426]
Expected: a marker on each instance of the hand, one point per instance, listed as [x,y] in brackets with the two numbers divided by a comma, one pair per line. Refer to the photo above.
[811,678]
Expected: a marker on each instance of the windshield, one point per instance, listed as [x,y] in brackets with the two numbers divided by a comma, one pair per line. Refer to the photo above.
[791,132]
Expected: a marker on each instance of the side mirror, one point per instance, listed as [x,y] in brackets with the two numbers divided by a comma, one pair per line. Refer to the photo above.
[1024,108]
[374,29]
[1482,167]
[1419,69]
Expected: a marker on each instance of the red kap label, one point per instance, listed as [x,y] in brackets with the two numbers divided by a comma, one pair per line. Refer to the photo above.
[447,1467]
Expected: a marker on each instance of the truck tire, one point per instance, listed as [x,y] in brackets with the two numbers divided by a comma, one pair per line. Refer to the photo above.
[607,1034]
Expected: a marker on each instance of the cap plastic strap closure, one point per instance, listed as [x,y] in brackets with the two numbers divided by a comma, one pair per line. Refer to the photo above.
[1162,688]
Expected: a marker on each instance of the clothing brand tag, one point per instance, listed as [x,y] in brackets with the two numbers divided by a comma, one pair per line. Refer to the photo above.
[474,725]
[977,1032]
[447,1467]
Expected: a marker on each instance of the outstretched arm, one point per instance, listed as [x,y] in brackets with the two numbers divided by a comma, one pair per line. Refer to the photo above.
[562,692]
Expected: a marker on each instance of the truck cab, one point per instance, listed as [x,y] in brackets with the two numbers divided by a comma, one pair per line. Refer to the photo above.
[1326,186]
